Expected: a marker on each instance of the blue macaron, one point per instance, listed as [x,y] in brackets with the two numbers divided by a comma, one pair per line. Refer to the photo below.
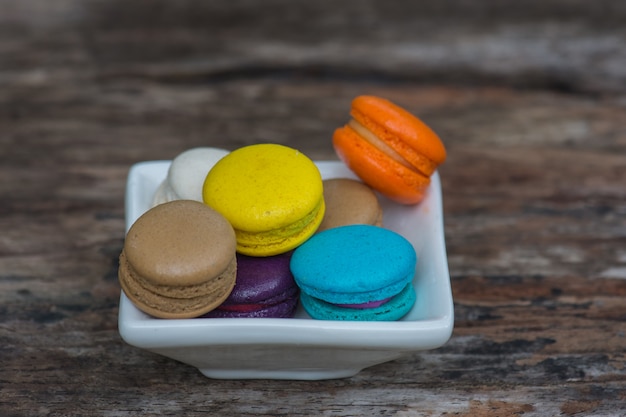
[356,272]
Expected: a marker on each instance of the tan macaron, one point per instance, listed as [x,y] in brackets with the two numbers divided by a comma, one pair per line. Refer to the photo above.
[178,260]
[348,202]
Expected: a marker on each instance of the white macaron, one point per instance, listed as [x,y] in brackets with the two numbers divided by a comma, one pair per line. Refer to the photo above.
[186,175]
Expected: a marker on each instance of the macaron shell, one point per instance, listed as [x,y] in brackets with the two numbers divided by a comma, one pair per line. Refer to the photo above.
[378,170]
[404,132]
[263,187]
[186,175]
[396,308]
[182,302]
[181,242]
[354,264]
[212,285]
[271,194]
[349,201]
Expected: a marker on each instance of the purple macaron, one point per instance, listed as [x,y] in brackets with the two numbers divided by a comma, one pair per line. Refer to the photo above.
[264,287]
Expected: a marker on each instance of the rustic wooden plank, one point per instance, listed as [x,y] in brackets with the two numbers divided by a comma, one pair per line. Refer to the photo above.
[573,46]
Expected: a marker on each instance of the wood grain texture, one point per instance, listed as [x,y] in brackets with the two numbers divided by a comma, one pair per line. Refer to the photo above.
[529,99]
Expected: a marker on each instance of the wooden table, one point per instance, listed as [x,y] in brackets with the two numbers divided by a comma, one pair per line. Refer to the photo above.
[529,98]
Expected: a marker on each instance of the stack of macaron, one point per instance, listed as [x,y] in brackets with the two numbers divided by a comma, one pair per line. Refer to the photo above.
[255,232]
[356,272]
[271,194]
[389,148]
[265,288]
[178,260]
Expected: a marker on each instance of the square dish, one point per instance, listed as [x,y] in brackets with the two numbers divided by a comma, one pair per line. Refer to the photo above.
[302,348]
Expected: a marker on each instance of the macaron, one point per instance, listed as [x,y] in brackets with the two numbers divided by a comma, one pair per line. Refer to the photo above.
[186,175]
[349,201]
[178,260]
[389,148]
[356,272]
[265,288]
[271,194]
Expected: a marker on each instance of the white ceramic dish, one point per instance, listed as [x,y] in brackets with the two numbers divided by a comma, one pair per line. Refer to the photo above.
[302,348]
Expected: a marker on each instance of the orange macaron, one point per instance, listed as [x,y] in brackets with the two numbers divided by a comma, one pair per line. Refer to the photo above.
[390,149]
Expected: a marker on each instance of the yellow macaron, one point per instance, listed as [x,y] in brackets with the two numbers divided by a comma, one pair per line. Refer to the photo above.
[271,194]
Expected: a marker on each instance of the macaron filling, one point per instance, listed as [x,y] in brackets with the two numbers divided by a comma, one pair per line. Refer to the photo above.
[182,291]
[245,307]
[362,306]
[335,297]
[175,300]
[401,131]
[285,309]
[374,140]
[394,309]
[276,241]
[242,308]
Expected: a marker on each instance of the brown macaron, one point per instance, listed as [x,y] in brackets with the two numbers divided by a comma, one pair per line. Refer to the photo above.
[348,202]
[178,260]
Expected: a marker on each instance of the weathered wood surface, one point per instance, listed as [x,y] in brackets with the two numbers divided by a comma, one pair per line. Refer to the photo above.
[530,99]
